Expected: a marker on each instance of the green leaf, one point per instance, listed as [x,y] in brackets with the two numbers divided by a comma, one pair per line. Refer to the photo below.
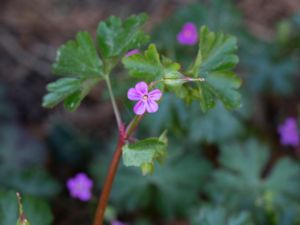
[268,70]
[8,208]
[220,216]
[70,90]
[241,173]
[115,37]
[165,186]
[30,181]
[144,153]
[37,211]
[79,61]
[13,138]
[240,181]
[78,58]
[215,60]
[217,126]
[150,67]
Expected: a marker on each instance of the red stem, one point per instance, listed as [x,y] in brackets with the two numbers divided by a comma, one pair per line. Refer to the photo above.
[124,134]
[109,181]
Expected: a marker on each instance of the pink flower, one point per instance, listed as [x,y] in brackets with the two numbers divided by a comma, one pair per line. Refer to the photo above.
[188,34]
[80,187]
[116,222]
[288,131]
[132,52]
[146,100]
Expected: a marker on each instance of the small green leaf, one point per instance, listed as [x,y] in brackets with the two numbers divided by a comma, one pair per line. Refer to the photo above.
[80,62]
[144,153]
[150,67]
[147,168]
[215,60]
[115,37]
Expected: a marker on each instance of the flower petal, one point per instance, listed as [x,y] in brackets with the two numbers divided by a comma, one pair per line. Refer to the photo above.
[142,87]
[188,34]
[132,52]
[151,106]
[133,95]
[85,196]
[139,108]
[155,94]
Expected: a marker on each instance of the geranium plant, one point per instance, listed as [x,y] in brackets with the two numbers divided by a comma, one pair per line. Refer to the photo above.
[83,64]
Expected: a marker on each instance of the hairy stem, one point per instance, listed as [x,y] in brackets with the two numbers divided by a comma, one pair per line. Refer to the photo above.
[108,182]
[113,102]
[133,125]
[124,134]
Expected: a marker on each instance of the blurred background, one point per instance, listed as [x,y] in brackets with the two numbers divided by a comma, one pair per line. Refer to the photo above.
[224,167]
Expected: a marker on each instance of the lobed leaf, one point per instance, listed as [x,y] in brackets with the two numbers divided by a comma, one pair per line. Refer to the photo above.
[215,60]
[240,183]
[115,37]
[78,58]
[70,90]
[79,61]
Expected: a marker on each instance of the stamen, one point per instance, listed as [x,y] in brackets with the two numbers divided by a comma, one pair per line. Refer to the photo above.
[145,97]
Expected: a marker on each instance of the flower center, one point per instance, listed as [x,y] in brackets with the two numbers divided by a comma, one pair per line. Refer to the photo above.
[187,33]
[145,97]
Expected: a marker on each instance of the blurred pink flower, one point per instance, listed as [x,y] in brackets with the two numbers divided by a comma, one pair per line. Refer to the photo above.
[188,34]
[116,222]
[80,187]
[288,131]
[146,100]
[132,52]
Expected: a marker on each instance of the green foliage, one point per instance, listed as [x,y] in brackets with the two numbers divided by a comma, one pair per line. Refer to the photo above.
[18,169]
[30,181]
[220,216]
[161,193]
[267,71]
[78,58]
[8,208]
[70,145]
[217,126]
[215,60]
[143,153]
[81,65]
[79,61]
[193,126]
[240,182]
[115,37]
[17,149]
[37,211]
[215,14]
[150,67]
